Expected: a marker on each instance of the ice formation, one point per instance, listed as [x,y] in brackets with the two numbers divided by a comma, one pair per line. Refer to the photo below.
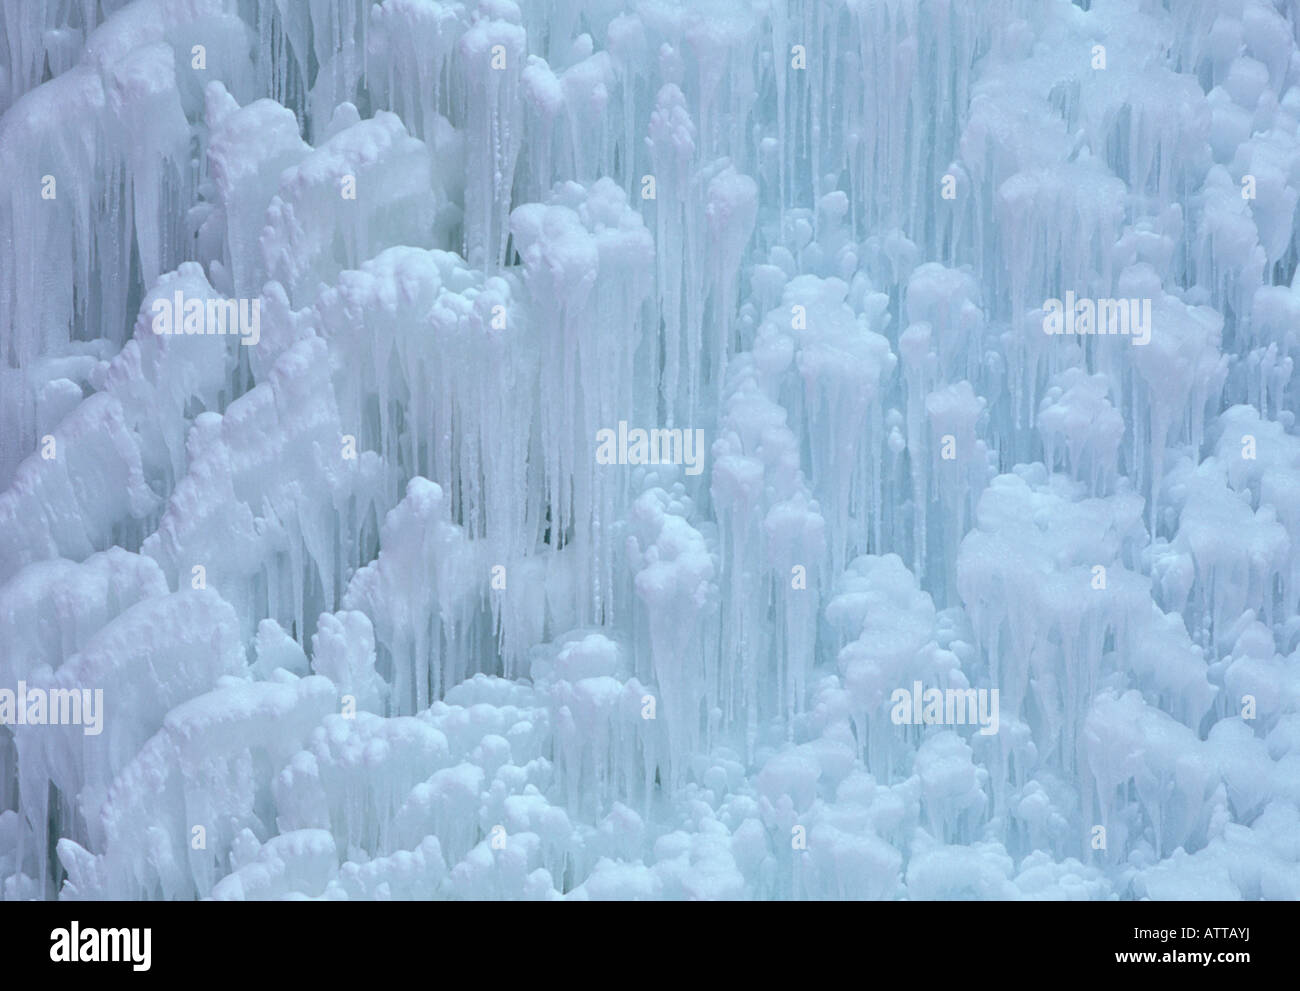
[947,540]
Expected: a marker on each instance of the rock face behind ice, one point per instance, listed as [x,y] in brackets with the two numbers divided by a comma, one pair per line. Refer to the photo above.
[619,455]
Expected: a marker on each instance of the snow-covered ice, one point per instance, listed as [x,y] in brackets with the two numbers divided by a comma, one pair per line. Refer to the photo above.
[670,449]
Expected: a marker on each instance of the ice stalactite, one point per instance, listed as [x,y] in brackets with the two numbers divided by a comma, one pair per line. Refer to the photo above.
[1071,253]
[675,579]
[1265,479]
[495,733]
[244,177]
[887,624]
[771,545]
[1274,313]
[415,41]
[671,142]
[900,67]
[339,47]
[588,268]
[284,52]
[353,776]
[603,722]
[1081,430]
[1129,744]
[952,785]
[130,433]
[365,188]
[418,594]
[343,650]
[159,653]
[587,87]
[80,503]
[494,53]
[130,129]
[1172,380]
[721,38]
[1049,580]
[131,96]
[273,553]
[408,319]
[1228,260]
[1239,553]
[959,466]
[436,370]
[948,300]
[34,34]
[1271,160]
[223,736]
[730,213]
[540,87]
[1172,671]
[795,532]
[939,349]
[920,372]
[850,858]
[1149,122]
[1256,670]
[629,48]
[830,366]
[52,611]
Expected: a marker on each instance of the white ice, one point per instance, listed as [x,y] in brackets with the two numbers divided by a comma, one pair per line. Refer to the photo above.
[372,619]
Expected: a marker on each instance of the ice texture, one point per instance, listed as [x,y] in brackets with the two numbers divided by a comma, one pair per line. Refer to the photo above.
[652,469]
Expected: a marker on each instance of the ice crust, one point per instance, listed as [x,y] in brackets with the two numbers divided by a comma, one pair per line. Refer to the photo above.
[371,618]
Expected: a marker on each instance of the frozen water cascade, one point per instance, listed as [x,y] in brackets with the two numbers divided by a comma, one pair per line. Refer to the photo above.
[711,449]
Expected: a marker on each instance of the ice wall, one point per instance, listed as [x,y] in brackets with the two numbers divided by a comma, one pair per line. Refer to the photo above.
[582,437]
